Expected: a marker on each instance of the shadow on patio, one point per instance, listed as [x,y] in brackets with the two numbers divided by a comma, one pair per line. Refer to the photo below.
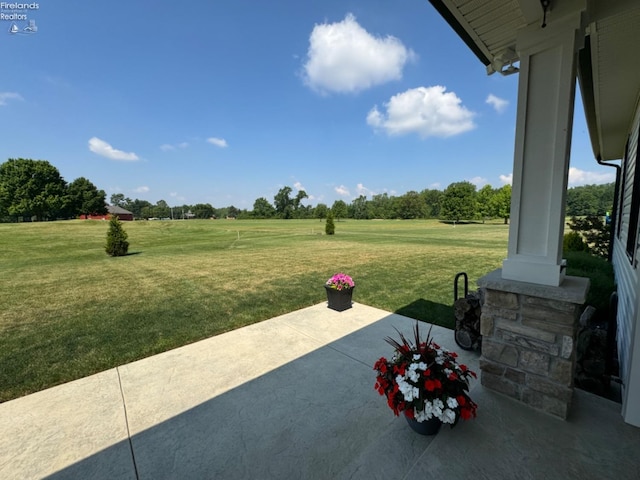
[316,414]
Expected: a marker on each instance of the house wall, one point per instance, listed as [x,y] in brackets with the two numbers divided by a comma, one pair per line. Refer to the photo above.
[627,280]
[625,260]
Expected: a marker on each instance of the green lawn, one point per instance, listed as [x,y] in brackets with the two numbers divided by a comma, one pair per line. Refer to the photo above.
[68,310]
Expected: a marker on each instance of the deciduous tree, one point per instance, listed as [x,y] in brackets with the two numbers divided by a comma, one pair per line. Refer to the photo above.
[117,200]
[411,205]
[459,202]
[84,198]
[321,211]
[486,205]
[432,199]
[501,203]
[202,210]
[31,188]
[283,202]
[359,208]
[339,209]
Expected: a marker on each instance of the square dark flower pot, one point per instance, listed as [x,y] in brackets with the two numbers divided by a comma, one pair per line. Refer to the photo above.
[339,300]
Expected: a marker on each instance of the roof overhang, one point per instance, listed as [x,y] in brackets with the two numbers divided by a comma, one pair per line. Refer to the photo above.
[609,81]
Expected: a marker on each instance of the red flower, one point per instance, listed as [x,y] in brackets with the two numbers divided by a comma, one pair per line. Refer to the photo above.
[381,365]
[444,377]
[432,385]
[465,413]
[399,369]
[381,385]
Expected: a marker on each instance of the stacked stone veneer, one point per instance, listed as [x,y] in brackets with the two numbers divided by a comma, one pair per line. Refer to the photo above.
[529,337]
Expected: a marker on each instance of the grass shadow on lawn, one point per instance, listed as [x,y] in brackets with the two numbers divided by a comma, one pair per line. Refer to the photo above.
[429,312]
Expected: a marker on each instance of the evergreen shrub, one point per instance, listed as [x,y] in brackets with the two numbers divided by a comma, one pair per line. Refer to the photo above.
[117,244]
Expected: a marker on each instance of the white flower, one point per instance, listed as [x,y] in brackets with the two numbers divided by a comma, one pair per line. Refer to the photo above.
[416,357]
[412,372]
[452,402]
[428,410]
[409,392]
[437,407]
[448,416]
[422,415]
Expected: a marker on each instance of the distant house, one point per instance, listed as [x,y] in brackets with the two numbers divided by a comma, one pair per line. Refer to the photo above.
[121,213]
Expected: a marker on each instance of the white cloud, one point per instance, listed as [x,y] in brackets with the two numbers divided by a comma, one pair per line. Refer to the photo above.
[507,179]
[435,186]
[479,182]
[5,96]
[166,147]
[427,111]
[176,196]
[582,177]
[103,149]
[343,57]
[141,189]
[342,191]
[298,186]
[499,104]
[577,177]
[218,142]
[362,190]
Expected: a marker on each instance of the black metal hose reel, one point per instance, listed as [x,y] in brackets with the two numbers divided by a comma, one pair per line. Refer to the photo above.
[467,311]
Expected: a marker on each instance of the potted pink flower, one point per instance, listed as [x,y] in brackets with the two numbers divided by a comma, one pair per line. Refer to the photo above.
[339,291]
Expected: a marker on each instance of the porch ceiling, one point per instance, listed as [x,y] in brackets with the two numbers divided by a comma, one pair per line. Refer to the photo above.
[609,77]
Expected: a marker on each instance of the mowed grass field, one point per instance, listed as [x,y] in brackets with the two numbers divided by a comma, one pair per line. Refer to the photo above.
[68,310]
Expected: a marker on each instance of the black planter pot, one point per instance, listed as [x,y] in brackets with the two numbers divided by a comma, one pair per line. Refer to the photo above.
[428,427]
[339,300]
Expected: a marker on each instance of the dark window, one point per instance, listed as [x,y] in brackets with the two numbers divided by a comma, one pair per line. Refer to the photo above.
[632,153]
[623,190]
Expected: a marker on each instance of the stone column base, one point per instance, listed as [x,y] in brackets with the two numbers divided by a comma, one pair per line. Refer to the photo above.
[529,338]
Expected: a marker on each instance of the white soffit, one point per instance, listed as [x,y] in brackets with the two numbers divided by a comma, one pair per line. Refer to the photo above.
[492,23]
[615,42]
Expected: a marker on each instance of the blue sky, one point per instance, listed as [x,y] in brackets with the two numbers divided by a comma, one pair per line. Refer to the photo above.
[226,102]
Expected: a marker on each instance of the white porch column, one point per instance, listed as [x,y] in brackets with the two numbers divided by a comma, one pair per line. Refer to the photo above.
[546,92]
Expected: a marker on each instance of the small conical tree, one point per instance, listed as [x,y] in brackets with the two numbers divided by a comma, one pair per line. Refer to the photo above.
[117,245]
[330,227]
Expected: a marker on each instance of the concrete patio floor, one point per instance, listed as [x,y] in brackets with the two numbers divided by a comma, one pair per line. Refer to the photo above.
[293,398]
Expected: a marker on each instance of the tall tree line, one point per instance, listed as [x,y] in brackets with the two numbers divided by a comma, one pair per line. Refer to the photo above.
[34,189]
[590,200]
